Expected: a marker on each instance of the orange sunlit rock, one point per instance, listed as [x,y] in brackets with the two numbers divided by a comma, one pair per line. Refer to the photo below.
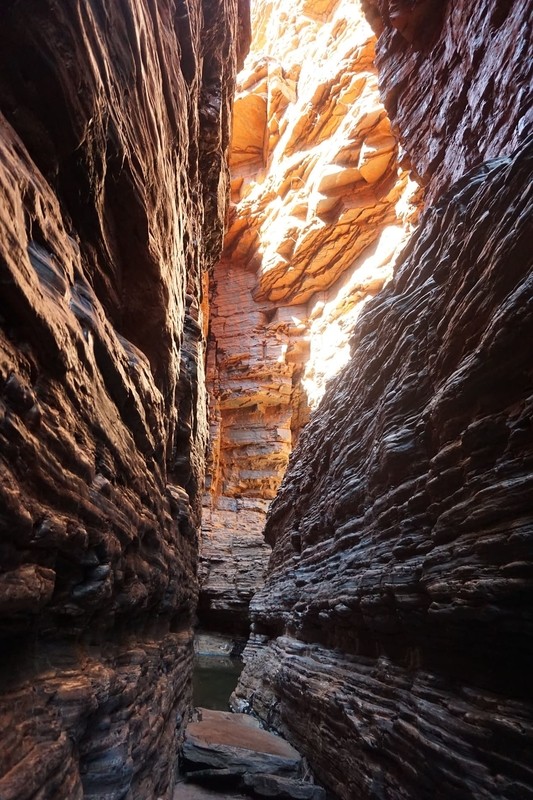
[322,201]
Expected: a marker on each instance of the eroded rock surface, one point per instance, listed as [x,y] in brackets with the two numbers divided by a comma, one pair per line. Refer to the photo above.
[225,751]
[322,199]
[114,126]
[456,80]
[392,640]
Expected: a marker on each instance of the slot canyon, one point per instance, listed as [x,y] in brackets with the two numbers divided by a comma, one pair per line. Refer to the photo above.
[266,373]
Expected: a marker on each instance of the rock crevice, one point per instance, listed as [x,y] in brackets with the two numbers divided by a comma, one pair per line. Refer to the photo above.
[321,201]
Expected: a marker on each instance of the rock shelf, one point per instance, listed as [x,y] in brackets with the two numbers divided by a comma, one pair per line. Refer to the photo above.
[231,752]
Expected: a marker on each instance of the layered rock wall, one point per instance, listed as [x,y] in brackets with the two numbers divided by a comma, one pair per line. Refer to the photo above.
[114,130]
[392,640]
[456,81]
[321,200]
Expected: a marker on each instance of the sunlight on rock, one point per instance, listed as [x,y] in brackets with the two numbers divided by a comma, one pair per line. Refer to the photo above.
[322,199]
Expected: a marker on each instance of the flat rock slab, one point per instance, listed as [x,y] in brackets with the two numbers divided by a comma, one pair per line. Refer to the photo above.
[238,730]
[217,717]
[235,744]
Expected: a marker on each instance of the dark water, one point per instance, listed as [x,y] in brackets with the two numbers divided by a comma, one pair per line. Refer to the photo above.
[214,679]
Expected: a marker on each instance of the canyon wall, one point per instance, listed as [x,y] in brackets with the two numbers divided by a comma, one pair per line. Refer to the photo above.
[455,79]
[392,642]
[115,122]
[321,201]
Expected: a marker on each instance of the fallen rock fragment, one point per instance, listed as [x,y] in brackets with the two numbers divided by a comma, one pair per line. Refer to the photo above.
[226,752]
[235,745]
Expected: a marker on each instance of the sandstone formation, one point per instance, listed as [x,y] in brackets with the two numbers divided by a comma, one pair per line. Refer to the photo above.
[322,200]
[115,121]
[392,640]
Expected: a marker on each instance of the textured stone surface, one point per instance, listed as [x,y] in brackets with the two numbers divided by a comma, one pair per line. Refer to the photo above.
[231,751]
[82,719]
[233,562]
[321,202]
[114,126]
[192,792]
[392,640]
[327,180]
[457,77]
[276,786]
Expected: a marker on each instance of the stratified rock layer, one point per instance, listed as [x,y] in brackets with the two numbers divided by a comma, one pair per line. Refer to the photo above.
[321,201]
[393,639]
[231,751]
[114,123]
[233,562]
[456,79]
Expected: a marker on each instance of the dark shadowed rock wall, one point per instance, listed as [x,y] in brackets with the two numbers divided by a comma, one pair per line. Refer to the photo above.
[393,638]
[392,641]
[114,125]
[456,78]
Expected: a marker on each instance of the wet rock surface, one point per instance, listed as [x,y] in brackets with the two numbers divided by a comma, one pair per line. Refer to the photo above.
[397,613]
[113,144]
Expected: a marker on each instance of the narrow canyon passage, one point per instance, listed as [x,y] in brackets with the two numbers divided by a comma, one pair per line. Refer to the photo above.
[266,314]
[322,200]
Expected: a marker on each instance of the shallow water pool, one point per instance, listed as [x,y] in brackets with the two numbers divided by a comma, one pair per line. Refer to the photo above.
[214,679]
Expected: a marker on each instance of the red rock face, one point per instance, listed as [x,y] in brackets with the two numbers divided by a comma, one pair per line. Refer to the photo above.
[114,131]
[456,79]
[392,640]
[321,200]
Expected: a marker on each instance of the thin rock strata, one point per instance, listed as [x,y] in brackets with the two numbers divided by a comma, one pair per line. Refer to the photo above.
[321,201]
[114,128]
[456,79]
[392,642]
